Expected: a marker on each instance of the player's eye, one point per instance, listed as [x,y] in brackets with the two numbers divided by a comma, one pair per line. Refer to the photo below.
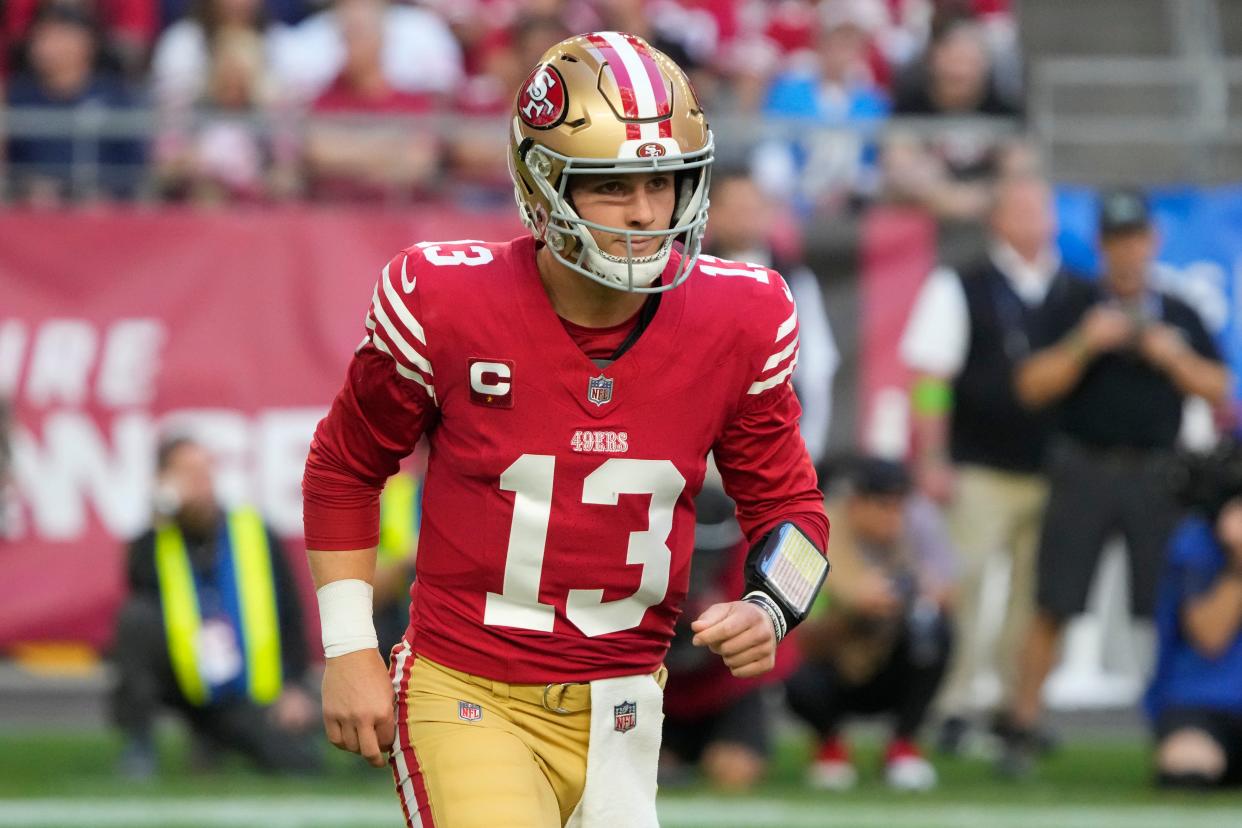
[610,187]
[660,182]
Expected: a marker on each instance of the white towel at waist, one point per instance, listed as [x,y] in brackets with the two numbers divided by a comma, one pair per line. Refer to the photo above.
[627,717]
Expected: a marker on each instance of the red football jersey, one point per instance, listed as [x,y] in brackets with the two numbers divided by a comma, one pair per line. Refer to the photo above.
[558,516]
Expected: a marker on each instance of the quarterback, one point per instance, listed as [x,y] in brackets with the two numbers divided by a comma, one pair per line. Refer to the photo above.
[571,384]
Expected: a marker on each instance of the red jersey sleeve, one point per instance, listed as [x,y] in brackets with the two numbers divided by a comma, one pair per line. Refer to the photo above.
[387,403]
[760,454]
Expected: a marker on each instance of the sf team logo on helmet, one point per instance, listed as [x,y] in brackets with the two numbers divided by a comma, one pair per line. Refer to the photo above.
[542,101]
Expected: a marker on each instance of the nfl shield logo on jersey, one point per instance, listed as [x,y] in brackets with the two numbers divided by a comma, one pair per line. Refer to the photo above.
[599,390]
[626,716]
[469,711]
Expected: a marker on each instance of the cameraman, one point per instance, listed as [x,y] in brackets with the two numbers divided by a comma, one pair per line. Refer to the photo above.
[1118,359]
[878,639]
[1195,698]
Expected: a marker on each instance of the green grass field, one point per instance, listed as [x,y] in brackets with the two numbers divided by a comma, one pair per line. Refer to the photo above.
[66,779]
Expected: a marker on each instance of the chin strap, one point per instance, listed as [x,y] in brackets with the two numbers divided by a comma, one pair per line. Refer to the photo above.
[784,573]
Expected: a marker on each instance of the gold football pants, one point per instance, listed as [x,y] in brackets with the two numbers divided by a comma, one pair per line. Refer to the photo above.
[476,753]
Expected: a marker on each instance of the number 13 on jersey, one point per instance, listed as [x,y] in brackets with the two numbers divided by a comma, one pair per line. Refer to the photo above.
[530,478]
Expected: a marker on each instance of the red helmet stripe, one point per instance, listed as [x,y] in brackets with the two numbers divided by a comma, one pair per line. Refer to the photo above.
[625,86]
[653,74]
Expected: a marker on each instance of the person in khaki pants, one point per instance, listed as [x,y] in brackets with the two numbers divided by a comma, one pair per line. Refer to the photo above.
[993,512]
[979,452]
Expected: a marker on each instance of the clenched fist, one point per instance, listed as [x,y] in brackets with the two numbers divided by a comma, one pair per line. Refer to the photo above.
[740,633]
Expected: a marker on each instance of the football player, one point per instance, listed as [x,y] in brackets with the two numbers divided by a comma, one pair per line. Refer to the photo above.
[571,384]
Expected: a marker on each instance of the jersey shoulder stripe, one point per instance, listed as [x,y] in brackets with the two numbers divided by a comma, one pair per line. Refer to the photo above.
[393,325]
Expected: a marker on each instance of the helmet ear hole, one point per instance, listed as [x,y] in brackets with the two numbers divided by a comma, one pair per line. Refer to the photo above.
[686,181]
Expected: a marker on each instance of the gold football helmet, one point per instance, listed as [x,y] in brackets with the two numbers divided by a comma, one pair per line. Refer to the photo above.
[607,102]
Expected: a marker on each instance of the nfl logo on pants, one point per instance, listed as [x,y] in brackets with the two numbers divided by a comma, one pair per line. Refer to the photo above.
[626,716]
[469,711]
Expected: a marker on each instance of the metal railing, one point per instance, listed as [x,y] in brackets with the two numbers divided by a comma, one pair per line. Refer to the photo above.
[1189,118]
[88,128]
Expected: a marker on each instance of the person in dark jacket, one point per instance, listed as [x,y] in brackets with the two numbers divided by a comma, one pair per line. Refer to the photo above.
[1117,359]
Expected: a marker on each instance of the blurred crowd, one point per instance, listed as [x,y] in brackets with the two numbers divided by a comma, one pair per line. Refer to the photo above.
[263,100]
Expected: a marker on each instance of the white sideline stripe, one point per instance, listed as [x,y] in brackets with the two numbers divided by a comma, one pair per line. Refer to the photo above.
[403,313]
[301,811]
[401,369]
[777,358]
[407,785]
[787,326]
[405,347]
[758,387]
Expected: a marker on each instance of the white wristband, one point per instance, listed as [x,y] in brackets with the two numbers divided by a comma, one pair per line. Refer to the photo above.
[345,621]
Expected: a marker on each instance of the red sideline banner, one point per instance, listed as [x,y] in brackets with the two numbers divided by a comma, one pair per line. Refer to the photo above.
[118,326]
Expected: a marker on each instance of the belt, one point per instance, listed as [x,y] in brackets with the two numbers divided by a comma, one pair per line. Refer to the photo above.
[564,698]
[1117,454]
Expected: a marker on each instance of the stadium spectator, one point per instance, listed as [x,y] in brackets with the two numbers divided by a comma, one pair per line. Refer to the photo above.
[822,168]
[360,159]
[484,27]
[477,152]
[181,66]
[1195,698]
[418,53]
[232,145]
[284,11]
[212,629]
[711,719]
[506,60]
[6,465]
[955,78]
[743,223]
[878,641]
[943,171]
[62,53]
[128,27]
[980,451]
[1118,359]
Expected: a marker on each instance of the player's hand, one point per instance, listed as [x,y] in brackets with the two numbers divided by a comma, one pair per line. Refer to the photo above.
[1229,530]
[1162,345]
[294,710]
[1106,329]
[875,595]
[937,479]
[358,705]
[741,633]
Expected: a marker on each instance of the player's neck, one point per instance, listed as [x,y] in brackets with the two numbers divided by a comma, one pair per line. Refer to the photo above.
[576,298]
